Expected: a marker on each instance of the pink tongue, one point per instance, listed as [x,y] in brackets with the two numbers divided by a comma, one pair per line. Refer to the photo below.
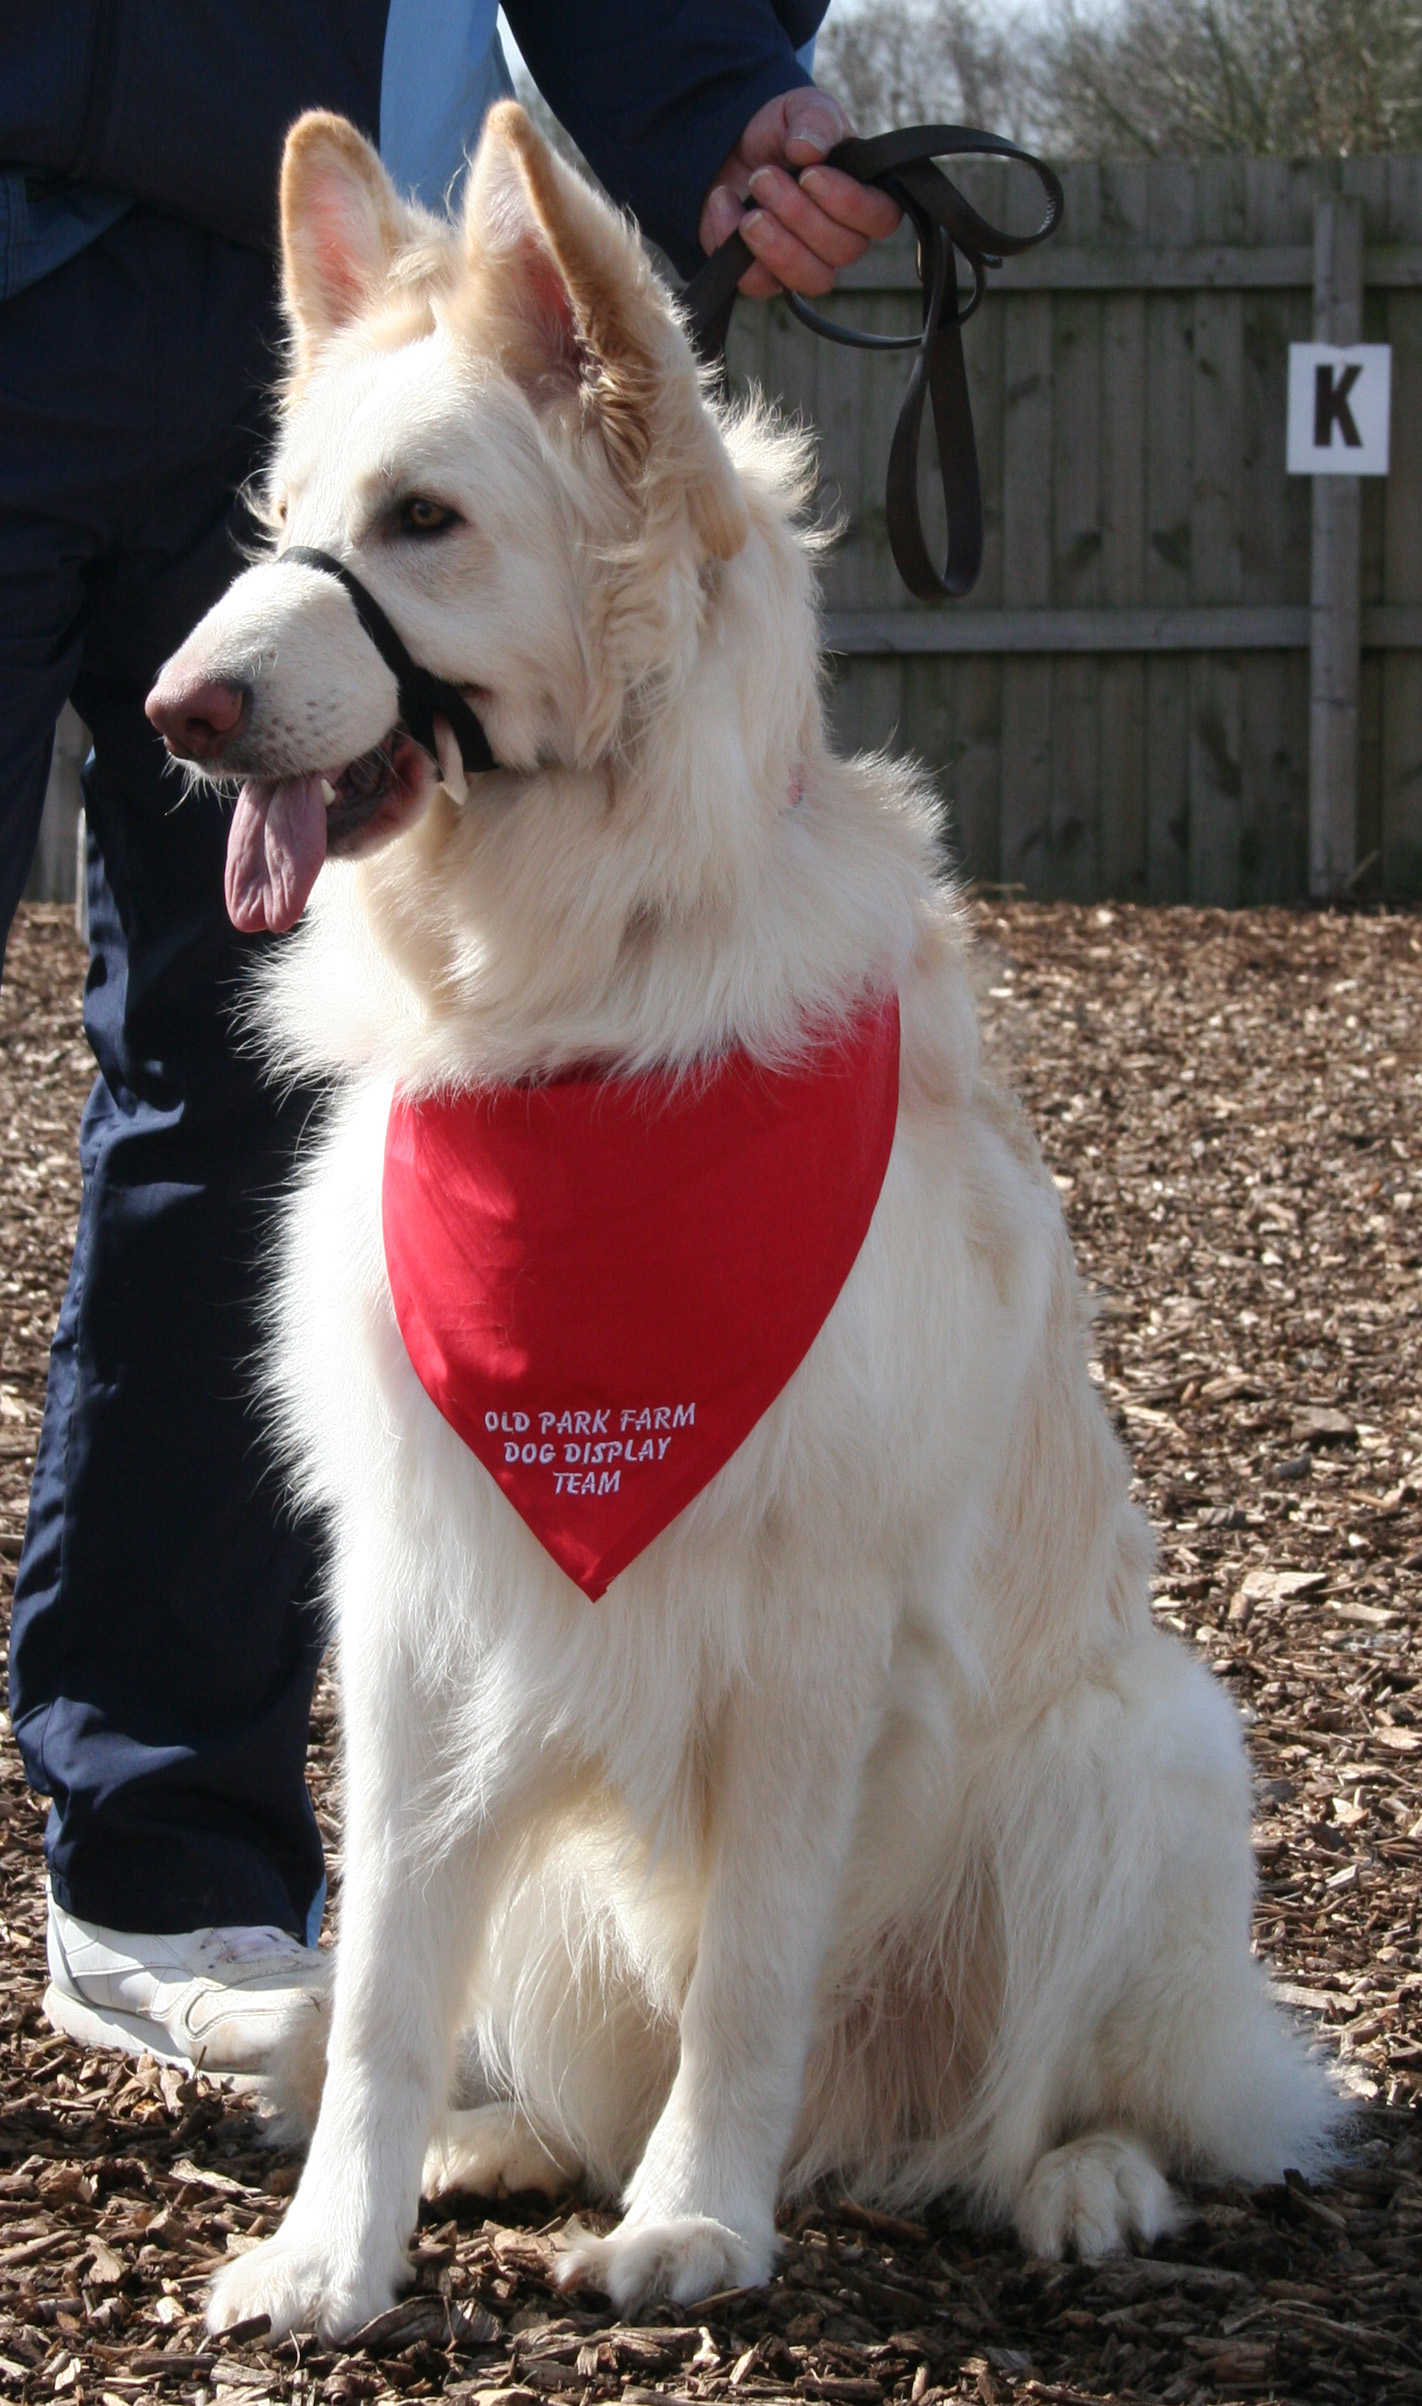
[275,847]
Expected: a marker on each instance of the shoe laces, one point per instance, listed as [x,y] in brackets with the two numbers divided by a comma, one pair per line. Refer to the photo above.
[219,1948]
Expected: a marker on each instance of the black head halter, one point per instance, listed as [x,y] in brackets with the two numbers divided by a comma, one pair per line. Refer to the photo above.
[901,164]
[422,694]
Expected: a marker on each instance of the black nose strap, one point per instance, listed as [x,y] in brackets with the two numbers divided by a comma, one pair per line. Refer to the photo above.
[422,695]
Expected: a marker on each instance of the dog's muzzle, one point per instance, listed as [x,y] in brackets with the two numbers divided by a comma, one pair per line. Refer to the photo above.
[423,696]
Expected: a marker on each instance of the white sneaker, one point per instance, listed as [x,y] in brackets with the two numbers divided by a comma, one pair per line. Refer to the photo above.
[217,2000]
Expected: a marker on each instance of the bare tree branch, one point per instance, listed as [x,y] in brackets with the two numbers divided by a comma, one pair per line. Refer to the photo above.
[1146,77]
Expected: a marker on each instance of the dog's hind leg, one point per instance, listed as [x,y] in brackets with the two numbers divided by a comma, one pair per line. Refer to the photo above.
[579,1984]
[1095,2195]
[494,2151]
[1139,2033]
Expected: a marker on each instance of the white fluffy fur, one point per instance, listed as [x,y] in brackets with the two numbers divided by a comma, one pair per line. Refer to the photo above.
[866,1830]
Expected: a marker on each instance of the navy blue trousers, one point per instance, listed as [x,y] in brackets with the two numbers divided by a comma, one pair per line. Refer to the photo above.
[165,1640]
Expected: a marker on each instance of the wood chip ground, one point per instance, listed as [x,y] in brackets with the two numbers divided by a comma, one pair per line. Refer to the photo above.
[1230,1107]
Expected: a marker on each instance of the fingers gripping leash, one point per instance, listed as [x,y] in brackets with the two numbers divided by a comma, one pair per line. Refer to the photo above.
[902,164]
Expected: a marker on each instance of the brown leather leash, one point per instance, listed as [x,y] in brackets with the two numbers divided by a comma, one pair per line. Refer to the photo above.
[902,164]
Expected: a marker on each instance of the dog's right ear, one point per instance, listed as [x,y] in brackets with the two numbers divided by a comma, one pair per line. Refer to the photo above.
[341,226]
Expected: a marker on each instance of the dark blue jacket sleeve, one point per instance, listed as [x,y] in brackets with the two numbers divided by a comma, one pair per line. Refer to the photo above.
[656,92]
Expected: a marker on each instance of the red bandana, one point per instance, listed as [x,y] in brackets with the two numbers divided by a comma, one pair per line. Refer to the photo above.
[603,1283]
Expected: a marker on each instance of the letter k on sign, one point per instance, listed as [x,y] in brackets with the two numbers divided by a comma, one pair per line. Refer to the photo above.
[1339,407]
[1331,387]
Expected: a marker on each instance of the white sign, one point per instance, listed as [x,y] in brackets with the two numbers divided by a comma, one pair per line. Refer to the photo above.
[1339,407]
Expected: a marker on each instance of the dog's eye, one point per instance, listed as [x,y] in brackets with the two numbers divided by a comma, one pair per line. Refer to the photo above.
[421,517]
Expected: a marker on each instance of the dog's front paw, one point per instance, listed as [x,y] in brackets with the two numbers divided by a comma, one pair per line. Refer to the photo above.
[682,2260]
[1095,2195]
[299,2286]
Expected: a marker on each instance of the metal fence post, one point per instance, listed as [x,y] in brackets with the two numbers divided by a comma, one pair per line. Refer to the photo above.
[1334,625]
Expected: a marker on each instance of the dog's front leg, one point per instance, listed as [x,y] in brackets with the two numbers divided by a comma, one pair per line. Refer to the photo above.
[409,1914]
[700,2210]
[339,2257]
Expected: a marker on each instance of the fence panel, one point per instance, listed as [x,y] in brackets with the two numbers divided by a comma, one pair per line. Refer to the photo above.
[1122,705]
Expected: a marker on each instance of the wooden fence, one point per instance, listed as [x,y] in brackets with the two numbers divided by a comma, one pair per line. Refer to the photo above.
[1122,705]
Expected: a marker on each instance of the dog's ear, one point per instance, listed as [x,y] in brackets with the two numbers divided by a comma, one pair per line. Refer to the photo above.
[341,225]
[563,288]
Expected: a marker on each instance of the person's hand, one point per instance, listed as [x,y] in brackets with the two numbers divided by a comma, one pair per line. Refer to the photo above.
[802,227]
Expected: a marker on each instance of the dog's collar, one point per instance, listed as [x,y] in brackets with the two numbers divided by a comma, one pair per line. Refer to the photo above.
[423,695]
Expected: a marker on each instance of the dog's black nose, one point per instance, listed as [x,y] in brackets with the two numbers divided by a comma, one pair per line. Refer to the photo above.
[195,720]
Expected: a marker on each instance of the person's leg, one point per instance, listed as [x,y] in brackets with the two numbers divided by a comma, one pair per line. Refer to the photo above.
[164,1646]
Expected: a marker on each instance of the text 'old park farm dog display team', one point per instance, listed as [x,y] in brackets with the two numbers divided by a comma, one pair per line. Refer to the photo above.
[761,1765]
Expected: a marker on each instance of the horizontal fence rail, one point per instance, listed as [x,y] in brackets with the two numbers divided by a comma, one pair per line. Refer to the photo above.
[1122,706]
[1223,267]
[1282,628]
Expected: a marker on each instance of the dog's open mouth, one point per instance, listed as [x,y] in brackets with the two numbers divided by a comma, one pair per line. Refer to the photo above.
[283,829]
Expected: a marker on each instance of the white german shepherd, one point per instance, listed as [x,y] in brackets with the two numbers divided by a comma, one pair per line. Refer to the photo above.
[866,1830]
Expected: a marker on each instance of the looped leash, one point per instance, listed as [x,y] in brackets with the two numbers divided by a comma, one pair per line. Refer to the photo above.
[901,164]
[422,693]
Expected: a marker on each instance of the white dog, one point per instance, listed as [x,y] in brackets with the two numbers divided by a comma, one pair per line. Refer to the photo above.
[865,1828]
